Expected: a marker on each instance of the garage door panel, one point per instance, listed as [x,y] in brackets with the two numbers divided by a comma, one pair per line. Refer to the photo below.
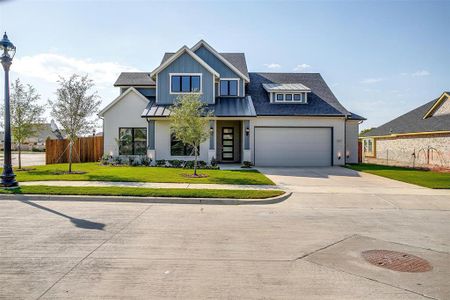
[293,146]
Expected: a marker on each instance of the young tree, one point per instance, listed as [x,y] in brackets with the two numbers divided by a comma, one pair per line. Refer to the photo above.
[189,123]
[73,108]
[26,114]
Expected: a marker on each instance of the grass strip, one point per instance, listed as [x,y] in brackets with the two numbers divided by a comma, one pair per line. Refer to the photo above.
[429,179]
[143,192]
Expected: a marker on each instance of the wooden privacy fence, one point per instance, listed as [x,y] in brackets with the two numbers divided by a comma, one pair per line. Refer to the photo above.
[85,149]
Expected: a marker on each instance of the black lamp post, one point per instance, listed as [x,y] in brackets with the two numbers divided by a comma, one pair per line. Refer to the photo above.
[8,51]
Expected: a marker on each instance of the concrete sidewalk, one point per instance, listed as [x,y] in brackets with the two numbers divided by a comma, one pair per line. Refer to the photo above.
[152,185]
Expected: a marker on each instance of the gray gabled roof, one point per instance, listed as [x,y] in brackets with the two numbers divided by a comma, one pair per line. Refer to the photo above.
[321,101]
[134,79]
[236,59]
[412,122]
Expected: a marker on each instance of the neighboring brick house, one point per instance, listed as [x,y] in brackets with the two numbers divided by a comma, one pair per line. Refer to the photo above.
[419,138]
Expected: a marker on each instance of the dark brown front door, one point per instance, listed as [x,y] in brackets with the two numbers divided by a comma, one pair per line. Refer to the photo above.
[228,143]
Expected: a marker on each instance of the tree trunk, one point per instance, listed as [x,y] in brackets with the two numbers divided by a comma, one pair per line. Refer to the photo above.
[195,161]
[70,155]
[20,156]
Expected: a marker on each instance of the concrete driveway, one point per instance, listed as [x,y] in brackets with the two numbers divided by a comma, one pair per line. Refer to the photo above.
[28,159]
[307,247]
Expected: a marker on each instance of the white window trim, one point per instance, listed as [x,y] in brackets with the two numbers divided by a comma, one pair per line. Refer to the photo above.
[369,153]
[238,87]
[305,96]
[185,74]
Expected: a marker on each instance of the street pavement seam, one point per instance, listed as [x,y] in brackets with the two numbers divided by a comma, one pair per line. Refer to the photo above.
[371,279]
[324,247]
[95,249]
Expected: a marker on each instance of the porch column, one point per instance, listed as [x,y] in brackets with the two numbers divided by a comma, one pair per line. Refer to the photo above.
[151,152]
[212,141]
[246,132]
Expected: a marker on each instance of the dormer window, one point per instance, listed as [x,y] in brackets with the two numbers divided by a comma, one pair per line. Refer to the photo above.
[287,92]
[229,87]
[291,97]
[185,83]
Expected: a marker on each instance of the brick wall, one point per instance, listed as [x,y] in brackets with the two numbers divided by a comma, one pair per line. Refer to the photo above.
[432,151]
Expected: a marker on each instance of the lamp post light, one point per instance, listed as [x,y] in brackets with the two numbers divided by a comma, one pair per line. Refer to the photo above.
[8,50]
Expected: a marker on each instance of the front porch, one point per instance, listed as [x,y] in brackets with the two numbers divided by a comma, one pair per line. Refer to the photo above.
[230,141]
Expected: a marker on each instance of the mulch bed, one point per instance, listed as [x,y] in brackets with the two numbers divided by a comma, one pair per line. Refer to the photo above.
[68,173]
[195,176]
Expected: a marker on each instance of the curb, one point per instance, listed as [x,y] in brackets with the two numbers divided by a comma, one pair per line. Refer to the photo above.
[159,200]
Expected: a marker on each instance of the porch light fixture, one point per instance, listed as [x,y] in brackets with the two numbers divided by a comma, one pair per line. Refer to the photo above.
[339,155]
[247,131]
[8,50]
[211,130]
[347,154]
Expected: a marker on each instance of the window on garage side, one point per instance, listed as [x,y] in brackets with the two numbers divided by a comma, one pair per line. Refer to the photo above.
[368,147]
[132,141]
[177,148]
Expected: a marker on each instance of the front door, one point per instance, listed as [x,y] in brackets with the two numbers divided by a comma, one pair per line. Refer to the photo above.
[227,143]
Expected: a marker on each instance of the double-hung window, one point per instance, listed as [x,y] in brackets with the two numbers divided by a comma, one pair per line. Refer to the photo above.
[228,87]
[185,83]
[132,141]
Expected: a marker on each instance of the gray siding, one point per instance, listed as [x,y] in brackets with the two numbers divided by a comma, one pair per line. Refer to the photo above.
[219,66]
[184,64]
[150,92]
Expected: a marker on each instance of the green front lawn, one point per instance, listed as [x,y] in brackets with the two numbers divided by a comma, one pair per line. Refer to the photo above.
[430,179]
[143,192]
[96,172]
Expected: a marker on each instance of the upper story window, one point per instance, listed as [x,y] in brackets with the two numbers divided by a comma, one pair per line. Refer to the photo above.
[229,87]
[185,83]
[291,97]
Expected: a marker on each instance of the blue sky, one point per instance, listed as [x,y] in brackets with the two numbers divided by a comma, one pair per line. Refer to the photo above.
[380,58]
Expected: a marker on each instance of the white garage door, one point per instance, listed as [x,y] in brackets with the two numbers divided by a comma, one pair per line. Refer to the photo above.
[292,146]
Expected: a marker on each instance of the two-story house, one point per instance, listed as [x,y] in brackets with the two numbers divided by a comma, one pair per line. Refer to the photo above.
[270,119]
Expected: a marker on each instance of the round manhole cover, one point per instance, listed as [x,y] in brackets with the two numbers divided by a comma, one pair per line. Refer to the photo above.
[397,261]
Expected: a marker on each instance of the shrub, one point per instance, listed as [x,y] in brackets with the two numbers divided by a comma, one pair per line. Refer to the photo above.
[213,162]
[130,160]
[176,163]
[161,163]
[246,164]
[34,149]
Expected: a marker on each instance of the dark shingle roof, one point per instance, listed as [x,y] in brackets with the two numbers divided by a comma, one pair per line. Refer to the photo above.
[321,101]
[236,59]
[354,116]
[134,79]
[412,122]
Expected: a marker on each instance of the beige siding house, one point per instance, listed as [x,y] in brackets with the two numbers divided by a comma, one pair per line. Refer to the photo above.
[419,138]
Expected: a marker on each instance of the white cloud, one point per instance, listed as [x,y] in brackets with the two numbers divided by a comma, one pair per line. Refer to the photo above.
[273,66]
[420,73]
[371,80]
[302,67]
[49,66]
